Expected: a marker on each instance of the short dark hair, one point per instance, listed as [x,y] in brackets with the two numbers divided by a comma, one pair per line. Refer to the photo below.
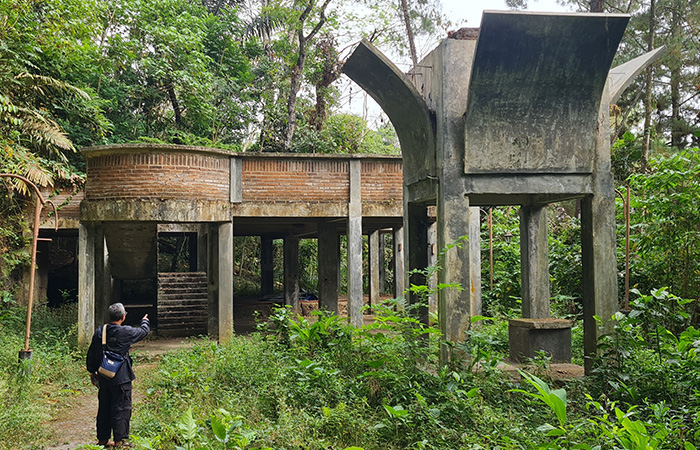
[116,311]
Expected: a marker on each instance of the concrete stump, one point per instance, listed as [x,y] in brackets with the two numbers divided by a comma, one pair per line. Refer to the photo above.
[528,336]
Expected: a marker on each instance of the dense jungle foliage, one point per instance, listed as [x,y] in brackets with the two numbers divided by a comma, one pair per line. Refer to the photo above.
[265,76]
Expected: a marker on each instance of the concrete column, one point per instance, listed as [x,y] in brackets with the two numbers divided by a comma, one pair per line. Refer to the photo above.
[266,265]
[291,273]
[382,262]
[212,269]
[328,267]
[399,262]
[86,283]
[374,268]
[355,294]
[534,262]
[103,277]
[225,276]
[598,255]
[475,260]
[433,252]
[202,247]
[417,243]
[460,266]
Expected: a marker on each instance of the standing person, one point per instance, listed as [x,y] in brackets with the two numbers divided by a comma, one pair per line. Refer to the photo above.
[114,411]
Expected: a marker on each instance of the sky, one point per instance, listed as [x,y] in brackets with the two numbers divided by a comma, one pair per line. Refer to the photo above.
[470,10]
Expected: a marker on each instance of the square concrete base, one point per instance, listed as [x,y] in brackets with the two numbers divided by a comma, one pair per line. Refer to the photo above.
[526,337]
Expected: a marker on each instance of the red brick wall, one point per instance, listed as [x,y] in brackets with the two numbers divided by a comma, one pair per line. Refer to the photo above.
[276,180]
[167,175]
[382,181]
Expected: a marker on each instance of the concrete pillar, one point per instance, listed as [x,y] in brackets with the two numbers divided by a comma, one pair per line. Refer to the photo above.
[460,266]
[212,268]
[399,262]
[86,283]
[382,262]
[266,265]
[291,273]
[475,260]
[328,267]
[534,262]
[417,258]
[103,277]
[225,276]
[598,248]
[202,247]
[433,252]
[355,291]
[374,268]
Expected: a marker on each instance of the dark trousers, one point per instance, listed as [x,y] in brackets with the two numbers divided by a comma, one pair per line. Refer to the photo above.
[114,412]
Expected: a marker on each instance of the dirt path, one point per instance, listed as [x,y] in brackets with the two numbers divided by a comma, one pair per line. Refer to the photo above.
[73,421]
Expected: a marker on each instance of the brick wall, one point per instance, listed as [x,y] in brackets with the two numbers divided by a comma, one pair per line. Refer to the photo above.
[153,175]
[284,180]
[382,181]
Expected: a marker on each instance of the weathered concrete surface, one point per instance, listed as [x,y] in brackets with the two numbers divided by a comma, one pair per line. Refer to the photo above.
[86,283]
[413,121]
[535,90]
[154,210]
[527,336]
[622,76]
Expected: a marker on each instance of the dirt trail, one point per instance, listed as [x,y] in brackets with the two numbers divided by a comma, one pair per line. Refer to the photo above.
[73,421]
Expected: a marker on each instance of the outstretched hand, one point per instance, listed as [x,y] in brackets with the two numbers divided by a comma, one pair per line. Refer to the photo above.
[145,317]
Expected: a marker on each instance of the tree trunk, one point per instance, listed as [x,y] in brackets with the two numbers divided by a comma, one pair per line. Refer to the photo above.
[597,6]
[676,126]
[173,101]
[409,32]
[646,143]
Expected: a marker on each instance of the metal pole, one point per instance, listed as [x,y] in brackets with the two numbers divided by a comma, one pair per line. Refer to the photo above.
[491,246]
[627,250]
[40,202]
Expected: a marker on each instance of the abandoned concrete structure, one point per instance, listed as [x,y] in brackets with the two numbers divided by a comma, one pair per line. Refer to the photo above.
[517,116]
[135,192]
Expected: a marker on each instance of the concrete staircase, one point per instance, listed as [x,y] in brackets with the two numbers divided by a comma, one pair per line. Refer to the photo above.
[182,303]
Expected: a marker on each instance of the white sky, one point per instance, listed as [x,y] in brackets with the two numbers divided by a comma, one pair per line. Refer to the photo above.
[470,10]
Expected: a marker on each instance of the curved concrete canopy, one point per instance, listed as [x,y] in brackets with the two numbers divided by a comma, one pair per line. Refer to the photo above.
[622,75]
[535,91]
[413,121]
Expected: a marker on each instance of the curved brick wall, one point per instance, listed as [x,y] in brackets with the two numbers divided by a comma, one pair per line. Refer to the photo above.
[157,172]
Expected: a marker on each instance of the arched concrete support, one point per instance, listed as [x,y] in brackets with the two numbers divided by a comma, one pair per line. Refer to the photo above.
[355,294]
[291,273]
[534,262]
[413,121]
[266,265]
[621,76]
[328,267]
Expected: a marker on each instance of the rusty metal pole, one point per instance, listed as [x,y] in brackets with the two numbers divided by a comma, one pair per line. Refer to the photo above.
[40,202]
[491,246]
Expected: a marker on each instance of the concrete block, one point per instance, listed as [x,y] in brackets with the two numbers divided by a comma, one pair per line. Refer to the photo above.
[528,336]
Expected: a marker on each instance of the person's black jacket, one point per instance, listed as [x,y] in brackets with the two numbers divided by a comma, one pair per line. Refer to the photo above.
[120,338]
